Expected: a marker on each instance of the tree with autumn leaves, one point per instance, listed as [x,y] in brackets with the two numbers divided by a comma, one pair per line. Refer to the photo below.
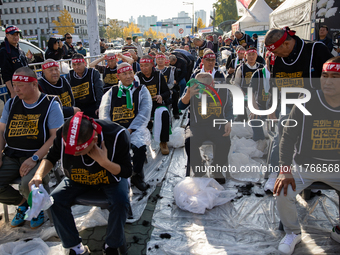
[65,23]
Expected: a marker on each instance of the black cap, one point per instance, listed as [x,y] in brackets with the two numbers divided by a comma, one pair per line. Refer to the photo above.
[255,35]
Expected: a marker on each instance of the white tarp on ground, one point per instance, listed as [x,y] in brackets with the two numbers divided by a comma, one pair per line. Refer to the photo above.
[247,225]
[257,19]
[293,13]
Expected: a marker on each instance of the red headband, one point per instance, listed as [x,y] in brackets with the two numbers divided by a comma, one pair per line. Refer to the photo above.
[146,60]
[71,146]
[124,69]
[209,56]
[279,42]
[331,67]
[151,55]
[50,64]
[240,51]
[128,54]
[250,51]
[23,78]
[160,56]
[78,60]
[110,57]
[167,60]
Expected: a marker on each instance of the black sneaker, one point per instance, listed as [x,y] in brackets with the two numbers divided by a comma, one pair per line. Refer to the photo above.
[139,182]
[110,251]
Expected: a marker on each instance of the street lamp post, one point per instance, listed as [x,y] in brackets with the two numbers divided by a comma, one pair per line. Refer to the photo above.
[193,16]
[48,19]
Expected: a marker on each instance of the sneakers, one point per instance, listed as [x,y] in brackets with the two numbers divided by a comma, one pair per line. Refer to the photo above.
[261,145]
[287,244]
[110,251]
[37,222]
[18,219]
[86,252]
[164,148]
[271,182]
[335,234]
[176,116]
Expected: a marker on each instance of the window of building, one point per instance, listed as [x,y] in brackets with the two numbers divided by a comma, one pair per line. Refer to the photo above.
[41,20]
[16,10]
[7,21]
[39,8]
[35,21]
[1,13]
[28,9]
[43,31]
[36,31]
[33,9]
[52,7]
[29,21]
[22,10]
[5,11]
[12,22]
[25,32]
[23,21]
[46,19]
[68,8]
[45,8]
[31,32]
[18,21]
[52,18]
[58,7]
[10,10]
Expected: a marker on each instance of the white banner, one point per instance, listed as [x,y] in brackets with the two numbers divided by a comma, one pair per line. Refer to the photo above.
[241,10]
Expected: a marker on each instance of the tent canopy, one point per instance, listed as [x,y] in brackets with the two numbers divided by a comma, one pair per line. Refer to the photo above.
[257,18]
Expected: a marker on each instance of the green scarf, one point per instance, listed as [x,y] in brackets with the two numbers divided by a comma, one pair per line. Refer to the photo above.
[127,94]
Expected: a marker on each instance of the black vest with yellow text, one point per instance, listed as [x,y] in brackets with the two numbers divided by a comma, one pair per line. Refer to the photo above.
[62,89]
[110,78]
[320,137]
[247,73]
[83,88]
[297,74]
[85,170]
[118,112]
[26,129]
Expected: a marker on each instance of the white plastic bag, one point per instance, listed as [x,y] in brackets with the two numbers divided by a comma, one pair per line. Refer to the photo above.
[38,200]
[195,194]
[34,247]
[177,138]
[65,68]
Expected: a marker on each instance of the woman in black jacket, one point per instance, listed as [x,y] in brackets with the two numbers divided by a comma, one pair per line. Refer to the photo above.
[54,49]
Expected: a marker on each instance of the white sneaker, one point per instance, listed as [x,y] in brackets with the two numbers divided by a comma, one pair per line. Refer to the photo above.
[271,182]
[288,243]
[261,145]
[335,234]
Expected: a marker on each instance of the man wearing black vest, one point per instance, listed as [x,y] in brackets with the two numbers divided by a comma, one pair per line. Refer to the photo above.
[295,64]
[28,126]
[129,104]
[53,84]
[310,144]
[95,155]
[109,71]
[243,40]
[11,57]
[169,74]
[159,91]
[87,87]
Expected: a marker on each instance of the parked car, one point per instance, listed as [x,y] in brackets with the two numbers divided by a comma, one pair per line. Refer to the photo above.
[33,53]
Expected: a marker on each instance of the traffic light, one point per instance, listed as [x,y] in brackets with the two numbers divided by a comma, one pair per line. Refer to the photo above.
[176,25]
[196,29]
[165,25]
[153,25]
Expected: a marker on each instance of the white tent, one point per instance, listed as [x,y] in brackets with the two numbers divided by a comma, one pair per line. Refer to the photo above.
[293,13]
[256,19]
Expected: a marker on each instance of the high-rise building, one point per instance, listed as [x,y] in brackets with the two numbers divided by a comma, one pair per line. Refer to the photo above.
[201,14]
[23,14]
[132,20]
[146,21]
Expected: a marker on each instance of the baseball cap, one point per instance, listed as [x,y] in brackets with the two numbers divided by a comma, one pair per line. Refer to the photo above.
[12,29]
[165,39]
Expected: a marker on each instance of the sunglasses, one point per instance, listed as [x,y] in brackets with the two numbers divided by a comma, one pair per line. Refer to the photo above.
[68,37]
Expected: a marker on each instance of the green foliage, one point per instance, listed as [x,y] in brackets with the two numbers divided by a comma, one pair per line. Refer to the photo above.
[225,10]
[114,31]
